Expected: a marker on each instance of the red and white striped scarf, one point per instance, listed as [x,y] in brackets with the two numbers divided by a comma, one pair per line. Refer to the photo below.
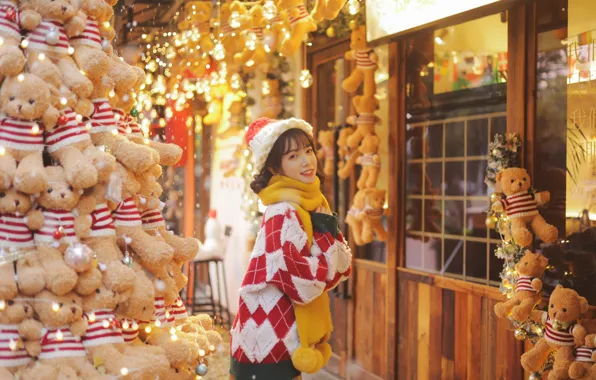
[21,134]
[103,328]
[368,160]
[178,310]
[11,355]
[102,118]
[72,132]
[561,338]
[302,15]
[152,219]
[102,223]
[127,214]
[90,36]
[54,220]
[61,343]
[363,60]
[366,118]
[38,38]
[14,232]
[524,284]
[9,20]
[130,329]
[520,205]
[584,354]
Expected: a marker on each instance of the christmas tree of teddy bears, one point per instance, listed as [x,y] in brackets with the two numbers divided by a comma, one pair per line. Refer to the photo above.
[89,275]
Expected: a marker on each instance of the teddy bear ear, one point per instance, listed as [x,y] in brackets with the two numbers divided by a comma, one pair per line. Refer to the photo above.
[499,176]
[583,305]
[559,287]
[543,260]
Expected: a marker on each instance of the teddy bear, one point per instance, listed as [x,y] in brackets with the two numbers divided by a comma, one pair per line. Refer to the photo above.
[229,39]
[18,340]
[348,156]
[528,288]
[301,23]
[215,106]
[365,121]
[327,9]
[27,109]
[104,341]
[12,60]
[521,206]
[153,253]
[103,129]
[89,46]
[61,344]
[370,162]
[562,332]
[326,140]
[354,217]
[255,51]
[271,102]
[198,15]
[48,47]
[373,211]
[124,77]
[583,367]
[366,64]
[59,235]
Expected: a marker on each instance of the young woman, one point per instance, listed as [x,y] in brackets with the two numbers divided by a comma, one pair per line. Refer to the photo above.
[283,321]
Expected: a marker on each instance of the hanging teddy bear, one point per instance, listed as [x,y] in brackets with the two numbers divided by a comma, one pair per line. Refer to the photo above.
[301,23]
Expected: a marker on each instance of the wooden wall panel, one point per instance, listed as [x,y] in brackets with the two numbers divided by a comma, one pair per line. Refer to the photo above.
[448,332]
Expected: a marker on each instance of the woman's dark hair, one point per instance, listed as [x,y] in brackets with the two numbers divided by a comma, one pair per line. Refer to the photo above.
[281,147]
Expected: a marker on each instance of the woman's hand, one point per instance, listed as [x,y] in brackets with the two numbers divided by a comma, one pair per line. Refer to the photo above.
[323,210]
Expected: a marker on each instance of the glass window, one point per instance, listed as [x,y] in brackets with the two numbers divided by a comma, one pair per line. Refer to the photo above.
[456,103]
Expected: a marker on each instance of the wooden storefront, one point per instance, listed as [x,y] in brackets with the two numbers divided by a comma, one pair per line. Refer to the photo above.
[395,320]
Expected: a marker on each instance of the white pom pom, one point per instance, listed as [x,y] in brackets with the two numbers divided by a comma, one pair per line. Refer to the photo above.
[81,191]
[127,240]
[103,267]
[143,200]
[160,285]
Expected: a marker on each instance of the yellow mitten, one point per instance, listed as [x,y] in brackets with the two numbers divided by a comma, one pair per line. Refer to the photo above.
[314,324]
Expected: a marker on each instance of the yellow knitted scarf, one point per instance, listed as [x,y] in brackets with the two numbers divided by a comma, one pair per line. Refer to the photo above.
[313,320]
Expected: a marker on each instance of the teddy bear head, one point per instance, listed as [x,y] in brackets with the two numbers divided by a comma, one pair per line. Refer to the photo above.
[326,138]
[59,193]
[256,17]
[344,133]
[25,97]
[97,9]
[198,11]
[102,298]
[531,264]
[13,202]
[565,305]
[375,198]
[228,8]
[15,312]
[139,304]
[59,10]
[365,104]
[514,180]
[358,38]
[56,311]
[369,145]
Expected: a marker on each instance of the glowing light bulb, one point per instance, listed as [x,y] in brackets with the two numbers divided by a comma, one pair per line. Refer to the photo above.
[71,50]
[12,345]
[219,52]
[105,323]
[106,24]
[79,118]
[148,329]
[158,323]
[234,20]
[1,41]
[179,303]
[269,9]
[59,335]
[112,94]
[135,326]
[174,337]
[35,129]
[124,371]
[63,101]
[250,63]
[251,41]
[125,325]
[2,153]
[115,131]
[41,56]
[353,7]
[211,348]
[2,304]
[202,352]
[167,314]
[21,77]
[24,44]
[172,330]
[55,307]
[266,89]
[306,79]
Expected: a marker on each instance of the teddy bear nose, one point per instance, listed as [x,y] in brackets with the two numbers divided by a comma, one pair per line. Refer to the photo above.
[26,308]
[520,184]
[64,9]
[19,107]
[62,195]
[73,309]
[17,202]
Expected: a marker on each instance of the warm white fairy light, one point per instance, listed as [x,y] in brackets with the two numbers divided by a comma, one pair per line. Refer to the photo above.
[55,307]
[2,302]
[353,7]
[158,323]
[92,317]
[71,50]
[306,79]
[63,101]
[124,371]
[105,323]
[24,43]
[12,345]
[41,56]
[21,77]
[269,9]
[148,329]
[59,335]
[35,129]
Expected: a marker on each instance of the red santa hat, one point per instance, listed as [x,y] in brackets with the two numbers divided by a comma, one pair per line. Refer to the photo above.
[264,132]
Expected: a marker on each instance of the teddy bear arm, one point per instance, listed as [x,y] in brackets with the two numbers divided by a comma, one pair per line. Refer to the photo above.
[537,316]
[542,197]
[29,19]
[79,327]
[590,340]
[537,284]
[579,334]
[35,220]
[373,57]
[86,205]
[83,225]
[350,55]
[75,25]
[498,206]
[50,118]
[33,348]
[31,330]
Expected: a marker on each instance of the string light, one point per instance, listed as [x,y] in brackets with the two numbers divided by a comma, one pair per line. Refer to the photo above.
[353,7]
[306,79]
[59,335]
[21,77]
[55,307]
[148,329]
[2,304]
[124,371]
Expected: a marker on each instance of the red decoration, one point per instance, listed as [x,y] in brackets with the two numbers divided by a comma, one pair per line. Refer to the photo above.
[62,120]
[177,132]
[11,15]
[58,234]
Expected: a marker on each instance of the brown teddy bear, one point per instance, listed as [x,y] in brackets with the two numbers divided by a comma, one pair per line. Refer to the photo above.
[102,240]
[528,288]
[364,217]
[521,206]
[348,156]
[61,344]
[584,368]
[301,23]
[561,333]
[153,253]
[370,162]
[230,41]
[255,52]
[26,105]
[12,60]
[48,50]
[366,64]
[327,9]
[199,15]
[18,340]
[104,341]
[104,131]
[17,220]
[326,140]
[59,235]
[365,121]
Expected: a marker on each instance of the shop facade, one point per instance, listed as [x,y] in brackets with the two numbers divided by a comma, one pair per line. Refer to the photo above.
[420,305]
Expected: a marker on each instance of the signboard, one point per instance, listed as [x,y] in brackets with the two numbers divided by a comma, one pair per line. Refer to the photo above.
[388,17]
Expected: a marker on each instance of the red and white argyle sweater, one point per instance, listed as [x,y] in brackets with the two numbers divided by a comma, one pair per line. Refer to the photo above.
[283,270]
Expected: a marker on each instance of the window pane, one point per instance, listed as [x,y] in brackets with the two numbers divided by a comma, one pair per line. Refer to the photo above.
[456,102]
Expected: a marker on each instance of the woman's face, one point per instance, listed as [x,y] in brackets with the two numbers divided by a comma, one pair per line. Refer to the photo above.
[299,163]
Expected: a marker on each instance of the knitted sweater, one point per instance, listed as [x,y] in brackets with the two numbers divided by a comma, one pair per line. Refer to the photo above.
[283,270]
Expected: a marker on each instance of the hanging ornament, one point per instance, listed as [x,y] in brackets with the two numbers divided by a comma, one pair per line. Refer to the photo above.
[134,112]
[57,235]
[234,20]
[330,32]
[52,37]
[105,44]
[201,369]
[219,52]
[353,7]
[306,79]
[62,119]
[495,197]
[520,334]
[79,257]
[127,260]
[269,9]
[491,221]
[352,24]
[11,15]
